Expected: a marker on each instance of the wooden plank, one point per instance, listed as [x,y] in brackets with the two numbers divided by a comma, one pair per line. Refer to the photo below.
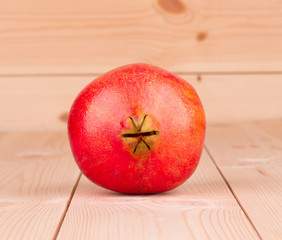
[37,175]
[239,98]
[273,127]
[180,35]
[38,103]
[202,208]
[250,160]
[43,102]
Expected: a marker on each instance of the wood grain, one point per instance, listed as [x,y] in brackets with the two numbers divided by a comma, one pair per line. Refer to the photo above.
[250,160]
[273,127]
[37,175]
[202,208]
[181,35]
[36,103]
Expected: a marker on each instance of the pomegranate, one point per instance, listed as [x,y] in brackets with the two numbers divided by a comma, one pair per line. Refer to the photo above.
[137,129]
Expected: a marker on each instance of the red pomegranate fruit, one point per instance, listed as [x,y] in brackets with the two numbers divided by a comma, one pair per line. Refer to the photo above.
[137,129]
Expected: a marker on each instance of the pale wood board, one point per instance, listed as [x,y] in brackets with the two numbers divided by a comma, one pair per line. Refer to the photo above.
[202,208]
[250,159]
[38,103]
[78,36]
[37,175]
[273,127]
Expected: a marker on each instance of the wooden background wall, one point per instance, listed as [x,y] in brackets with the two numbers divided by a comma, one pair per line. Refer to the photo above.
[231,52]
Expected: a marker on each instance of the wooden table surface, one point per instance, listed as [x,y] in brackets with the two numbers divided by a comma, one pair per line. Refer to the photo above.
[234,194]
[230,51]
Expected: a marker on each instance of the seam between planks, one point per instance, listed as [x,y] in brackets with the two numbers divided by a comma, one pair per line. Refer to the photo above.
[233,193]
[91,74]
[67,207]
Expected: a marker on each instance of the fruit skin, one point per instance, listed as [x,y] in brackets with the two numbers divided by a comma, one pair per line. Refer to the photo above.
[104,128]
